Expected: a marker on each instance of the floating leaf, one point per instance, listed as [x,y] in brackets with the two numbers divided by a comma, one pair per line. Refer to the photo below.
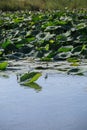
[46,59]
[73,71]
[27,76]
[1,52]
[51,41]
[62,56]
[45,36]
[35,77]
[47,47]
[6,43]
[75,64]
[65,49]
[61,38]
[31,77]
[3,65]
[73,59]
[81,26]
[51,28]
[77,49]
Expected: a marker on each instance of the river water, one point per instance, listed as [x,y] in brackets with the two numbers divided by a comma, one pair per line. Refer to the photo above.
[59,104]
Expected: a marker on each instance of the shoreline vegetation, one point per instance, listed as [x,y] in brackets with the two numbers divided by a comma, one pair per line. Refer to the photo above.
[13,5]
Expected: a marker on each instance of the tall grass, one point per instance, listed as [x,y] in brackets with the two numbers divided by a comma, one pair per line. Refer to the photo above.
[41,4]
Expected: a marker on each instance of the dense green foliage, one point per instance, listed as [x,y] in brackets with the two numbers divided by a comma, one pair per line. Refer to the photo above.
[57,35]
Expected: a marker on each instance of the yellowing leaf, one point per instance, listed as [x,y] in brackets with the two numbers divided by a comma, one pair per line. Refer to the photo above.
[51,41]
[35,77]
[31,77]
[3,65]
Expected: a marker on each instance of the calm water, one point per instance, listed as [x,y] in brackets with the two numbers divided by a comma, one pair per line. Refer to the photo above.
[61,104]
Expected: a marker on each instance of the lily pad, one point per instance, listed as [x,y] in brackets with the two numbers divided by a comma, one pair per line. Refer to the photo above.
[3,65]
[62,56]
[30,77]
[65,49]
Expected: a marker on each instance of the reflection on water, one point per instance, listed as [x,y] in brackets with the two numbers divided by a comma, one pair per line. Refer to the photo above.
[4,75]
[61,105]
[34,86]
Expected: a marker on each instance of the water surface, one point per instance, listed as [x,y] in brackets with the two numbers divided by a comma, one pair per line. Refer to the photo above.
[59,105]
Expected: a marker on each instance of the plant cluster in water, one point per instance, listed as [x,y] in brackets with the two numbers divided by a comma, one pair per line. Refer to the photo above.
[50,36]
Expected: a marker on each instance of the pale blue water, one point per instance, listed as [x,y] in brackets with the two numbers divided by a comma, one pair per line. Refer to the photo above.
[60,105]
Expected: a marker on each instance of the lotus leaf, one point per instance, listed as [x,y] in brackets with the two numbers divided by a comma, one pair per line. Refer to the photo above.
[65,49]
[3,65]
[31,77]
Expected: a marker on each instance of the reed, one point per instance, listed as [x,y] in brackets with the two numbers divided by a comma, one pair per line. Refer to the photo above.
[41,4]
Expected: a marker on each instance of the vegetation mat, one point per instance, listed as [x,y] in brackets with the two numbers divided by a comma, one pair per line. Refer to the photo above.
[50,36]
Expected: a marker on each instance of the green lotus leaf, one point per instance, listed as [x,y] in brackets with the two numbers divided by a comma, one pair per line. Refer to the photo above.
[45,36]
[48,23]
[77,49]
[61,38]
[62,56]
[35,77]
[47,47]
[6,43]
[73,60]
[51,28]
[30,77]
[73,71]
[3,65]
[65,49]
[81,26]
[1,52]
[46,59]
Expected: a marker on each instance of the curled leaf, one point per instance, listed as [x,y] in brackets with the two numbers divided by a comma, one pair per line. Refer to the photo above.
[30,77]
